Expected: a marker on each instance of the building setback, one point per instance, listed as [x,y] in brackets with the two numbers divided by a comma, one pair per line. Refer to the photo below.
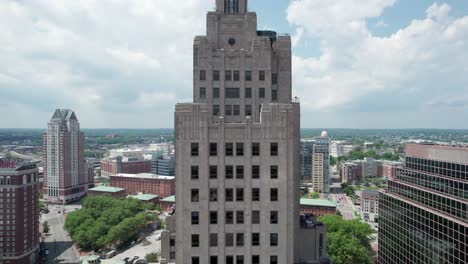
[65,177]
[423,216]
[19,212]
[163,186]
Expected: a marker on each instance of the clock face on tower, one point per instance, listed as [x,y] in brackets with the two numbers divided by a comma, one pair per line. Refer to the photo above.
[231,41]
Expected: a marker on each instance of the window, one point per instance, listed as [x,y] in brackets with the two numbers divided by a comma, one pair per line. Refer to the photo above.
[195,196]
[228,110]
[255,259]
[255,172]
[248,76]
[215,75]
[213,195]
[229,149]
[255,239]
[274,78]
[213,172]
[261,75]
[236,76]
[229,217]
[236,110]
[232,93]
[202,92]
[229,259]
[273,217]
[229,240]
[195,240]
[194,149]
[239,149]
[255,217]
[194,173]
[213,260]
[215,92]
[227,75]
[239,259]
[261,93]
[274,149]
[229,172]
[273,172]
[248,110]
[273,259]
[229,195]
[213,217]
[240,172]
[202,75]
[239,194]
[274,239]
[195,260]
[274,95]
[239,217]
[255,194]
[213,149]
[248,92]
[240,239]
[195,218]
[213,239]
[216,110]
[273,194]
[231,6]
[255,149]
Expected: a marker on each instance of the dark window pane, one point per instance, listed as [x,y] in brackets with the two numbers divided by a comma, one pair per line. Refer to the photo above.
[194,173]
[261,75]
[274,194]
[240,239]
[229,172]
[256,239]
[227,75]
[195,240]
[239,172]
[239,217]
[255,149]
[273,259]
[215,92]
[195,218]
[213,259]
[236,110]
[255,259]
[274,78]
[216,110]
[248,75]
[229,149]
[248,92]
[236,76]
[213,240]
[255,217]
[239,259]
[232,93]
[213,195]
[195,197]
[228,110]
[239,149]
[239,194]
[273,217]
[274,149]
[229,195]
[202,92]
[229,217]
[255,194]
[274,172]
[255,172]
[213,149]
[194,149]
[202,75]
[273,239]
[213,172]
[215,75]
[230,259]
[195,260]
[248,110]
[213,217]
[229,241]
[261,93]
[274,95]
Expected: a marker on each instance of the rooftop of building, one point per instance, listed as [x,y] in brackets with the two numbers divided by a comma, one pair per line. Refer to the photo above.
[170,199]
[144,196]
[370,193]
[317,202]
[144,176]
[107,189]
[10,165]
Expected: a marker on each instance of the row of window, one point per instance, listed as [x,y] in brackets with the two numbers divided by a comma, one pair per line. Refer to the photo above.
[229,172]
[239,240]
[229,149]
[454,170]
[229,217]
[234,75]
[234,93]
[238,259]
[229,195]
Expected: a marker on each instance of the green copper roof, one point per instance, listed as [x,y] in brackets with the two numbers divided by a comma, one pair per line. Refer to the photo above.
[318,202]
[145,196]
[106,189]
[169,199]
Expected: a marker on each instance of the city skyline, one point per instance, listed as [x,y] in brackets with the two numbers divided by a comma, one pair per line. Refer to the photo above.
[398,64]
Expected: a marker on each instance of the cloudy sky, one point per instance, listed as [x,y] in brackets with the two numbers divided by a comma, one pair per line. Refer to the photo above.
[356,63]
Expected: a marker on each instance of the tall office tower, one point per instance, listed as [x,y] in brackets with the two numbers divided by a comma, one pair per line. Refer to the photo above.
[65,179]
[19,212]
[321,164]
[305,156]
[423,215]
[237,146]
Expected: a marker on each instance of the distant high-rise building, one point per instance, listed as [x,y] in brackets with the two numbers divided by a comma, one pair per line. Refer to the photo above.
[237,150]
[19,212]
[65,178]
[423,216]
[306,151]
[164,165]
[321,164]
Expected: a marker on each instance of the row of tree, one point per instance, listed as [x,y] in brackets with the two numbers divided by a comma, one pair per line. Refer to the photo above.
[359,155]
[349,241]
[106,222]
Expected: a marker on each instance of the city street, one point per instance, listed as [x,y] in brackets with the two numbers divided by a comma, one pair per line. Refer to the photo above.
[151,245]
[59,244]
[345,205]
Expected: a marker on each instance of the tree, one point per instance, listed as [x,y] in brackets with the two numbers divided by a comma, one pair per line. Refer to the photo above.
[314,195]
[45,227]
[152,257]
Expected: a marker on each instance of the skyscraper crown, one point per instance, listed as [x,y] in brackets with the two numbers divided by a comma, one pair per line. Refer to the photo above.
[231,6]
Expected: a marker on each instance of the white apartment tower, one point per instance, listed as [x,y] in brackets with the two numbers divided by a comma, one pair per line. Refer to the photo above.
[65,178]
[237,146]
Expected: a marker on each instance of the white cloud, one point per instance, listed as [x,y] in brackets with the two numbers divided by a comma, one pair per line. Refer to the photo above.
[423,61]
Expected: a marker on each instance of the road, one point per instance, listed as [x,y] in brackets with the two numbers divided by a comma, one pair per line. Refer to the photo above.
[60,245]
[345,205]
[151,245]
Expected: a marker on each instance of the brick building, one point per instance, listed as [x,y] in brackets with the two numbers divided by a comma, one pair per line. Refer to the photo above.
[19,212]
[130,165]
[351,172]
[163,186]
[370,205]
[317,207]
[389,169]
[106,190]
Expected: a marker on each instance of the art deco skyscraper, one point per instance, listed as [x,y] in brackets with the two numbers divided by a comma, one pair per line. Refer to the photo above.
[237,146]
[423,217]
[65,178]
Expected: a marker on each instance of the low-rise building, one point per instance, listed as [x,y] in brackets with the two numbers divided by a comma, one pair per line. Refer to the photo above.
[146,197]
[389,168]
[350,172]
[107,190]
[119,164]
[164,165]
[317,207]
[370,205]
[163,186]
[167,204]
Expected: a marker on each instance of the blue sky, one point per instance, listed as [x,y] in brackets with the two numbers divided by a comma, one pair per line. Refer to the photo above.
[356,63]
